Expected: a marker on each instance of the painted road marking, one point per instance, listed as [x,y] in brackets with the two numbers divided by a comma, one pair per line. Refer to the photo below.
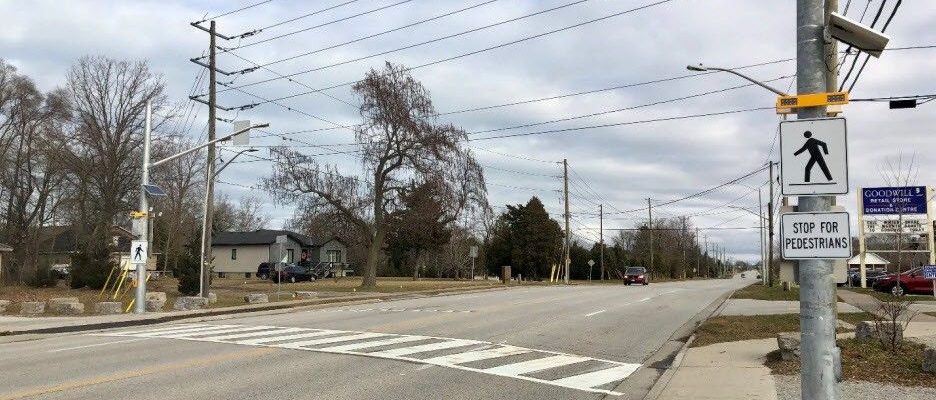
[595,313]
[596,376]
[97,345]
[388,309]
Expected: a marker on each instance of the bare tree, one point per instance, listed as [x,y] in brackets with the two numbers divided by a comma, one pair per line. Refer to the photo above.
[183,181]
[401,144]
[899,172]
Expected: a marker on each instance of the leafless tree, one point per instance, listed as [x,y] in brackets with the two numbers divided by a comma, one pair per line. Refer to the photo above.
[183,181]
[401,144]
[899,172]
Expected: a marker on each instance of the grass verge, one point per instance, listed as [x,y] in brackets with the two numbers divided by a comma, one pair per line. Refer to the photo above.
[746,327]
[889,297]
[762,292]
[866,360]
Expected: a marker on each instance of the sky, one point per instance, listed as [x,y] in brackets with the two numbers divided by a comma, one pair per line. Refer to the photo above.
[620,165]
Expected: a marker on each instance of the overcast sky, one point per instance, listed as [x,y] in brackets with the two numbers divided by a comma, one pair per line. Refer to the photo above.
[624,164]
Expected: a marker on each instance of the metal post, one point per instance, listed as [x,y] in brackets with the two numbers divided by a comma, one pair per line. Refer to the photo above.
[650,225]
[929,227]
[699,258]
[760,221]
[601,239]
[140,225]
[772,278]
[817,288]
[705,254]
[862,267]
[568,249]
[208,207]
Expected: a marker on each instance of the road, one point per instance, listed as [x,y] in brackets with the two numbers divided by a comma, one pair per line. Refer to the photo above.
[582,342]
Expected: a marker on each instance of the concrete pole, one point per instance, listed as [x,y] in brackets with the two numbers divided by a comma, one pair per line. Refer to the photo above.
[601,238]
[208,208]
[760,224]
[772,278]
[817,287]
[140,224]
[650,214]
[568,241]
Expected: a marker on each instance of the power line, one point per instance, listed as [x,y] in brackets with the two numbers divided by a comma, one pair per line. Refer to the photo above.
[303,16]
[234,11]
[868,56]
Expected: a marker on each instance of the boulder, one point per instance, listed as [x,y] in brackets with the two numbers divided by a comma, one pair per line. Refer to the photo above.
[305,295]
[32,307]
[256,298]
[68,308]
[212,298]
[789,344]
[108,307]
[4,305]
[155,305]
[929,360]
[186,303]
[160,296]
[53,302]
[869,330]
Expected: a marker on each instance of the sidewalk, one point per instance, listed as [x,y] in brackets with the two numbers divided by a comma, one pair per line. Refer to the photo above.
[724,371]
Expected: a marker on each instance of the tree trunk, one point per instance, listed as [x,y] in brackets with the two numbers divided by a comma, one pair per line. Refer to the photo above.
[373,253]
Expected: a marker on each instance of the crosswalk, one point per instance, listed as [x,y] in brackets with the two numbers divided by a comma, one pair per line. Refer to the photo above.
[391,309]
[541,366]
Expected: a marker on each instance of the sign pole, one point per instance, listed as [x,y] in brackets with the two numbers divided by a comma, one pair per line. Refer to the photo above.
[929,229]
[139,224]
[862,268]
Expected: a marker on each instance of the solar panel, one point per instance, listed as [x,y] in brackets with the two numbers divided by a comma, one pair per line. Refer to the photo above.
[154,190]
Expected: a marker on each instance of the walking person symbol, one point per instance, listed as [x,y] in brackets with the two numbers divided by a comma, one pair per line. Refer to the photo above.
[815,155]
[138,253]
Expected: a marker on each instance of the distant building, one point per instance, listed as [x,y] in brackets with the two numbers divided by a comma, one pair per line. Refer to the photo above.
[872,262]
[57,244]
[241,252]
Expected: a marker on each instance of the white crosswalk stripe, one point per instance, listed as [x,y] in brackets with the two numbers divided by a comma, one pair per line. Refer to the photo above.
[499,359]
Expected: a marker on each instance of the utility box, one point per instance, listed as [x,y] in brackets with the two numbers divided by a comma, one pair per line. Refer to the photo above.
[505,274]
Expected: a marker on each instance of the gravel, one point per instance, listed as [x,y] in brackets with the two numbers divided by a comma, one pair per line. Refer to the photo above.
[788,388]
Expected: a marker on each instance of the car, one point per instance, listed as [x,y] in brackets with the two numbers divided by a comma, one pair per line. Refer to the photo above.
[911,281]
[293,273]
[870,277]
[60,271]
[636,275]
[264,270]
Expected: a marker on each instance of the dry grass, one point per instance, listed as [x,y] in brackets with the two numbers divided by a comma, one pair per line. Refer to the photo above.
[746,327]
[889,297]
[865,360]
[762,292]
[231,291]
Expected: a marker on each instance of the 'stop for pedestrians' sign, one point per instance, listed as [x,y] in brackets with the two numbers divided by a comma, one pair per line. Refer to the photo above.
[894,200]
[929,272]
[138,251]
[812,235]
[813,157]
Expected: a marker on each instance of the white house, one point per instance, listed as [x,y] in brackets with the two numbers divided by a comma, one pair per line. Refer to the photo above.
[242,252]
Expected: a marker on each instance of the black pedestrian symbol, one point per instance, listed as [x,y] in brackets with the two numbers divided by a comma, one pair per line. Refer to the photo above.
[815,155]
[138,254]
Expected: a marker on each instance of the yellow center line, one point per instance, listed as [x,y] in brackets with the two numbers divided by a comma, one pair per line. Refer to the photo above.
[134,374]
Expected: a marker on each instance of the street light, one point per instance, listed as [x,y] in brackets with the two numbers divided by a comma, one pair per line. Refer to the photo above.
[250,150]
[702,68]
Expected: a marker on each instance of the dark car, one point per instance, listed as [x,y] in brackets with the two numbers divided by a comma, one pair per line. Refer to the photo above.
[264,270]
[293,273]
[636,275]
[911,281]
[854,278]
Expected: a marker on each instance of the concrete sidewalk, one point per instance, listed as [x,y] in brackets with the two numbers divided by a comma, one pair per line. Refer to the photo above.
[724,371]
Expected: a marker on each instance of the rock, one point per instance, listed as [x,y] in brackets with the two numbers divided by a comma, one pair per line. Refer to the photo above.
[304,295]
[32,307]
[68,308]
[155,305]
[256,298]
[160,296]
[212,298]
[108,307]
[929,360]
[54,302]
[868,330]
[186,303]
[789,344]
[4,304]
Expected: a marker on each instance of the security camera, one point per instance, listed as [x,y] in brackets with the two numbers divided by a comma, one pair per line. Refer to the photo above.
[857,35]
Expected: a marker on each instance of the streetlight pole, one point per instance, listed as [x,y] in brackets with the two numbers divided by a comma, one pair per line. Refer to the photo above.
[702,68]
[140,228]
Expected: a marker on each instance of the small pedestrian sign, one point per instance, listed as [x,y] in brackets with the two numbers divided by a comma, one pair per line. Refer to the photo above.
[139,251]
[813,157]
[815,235]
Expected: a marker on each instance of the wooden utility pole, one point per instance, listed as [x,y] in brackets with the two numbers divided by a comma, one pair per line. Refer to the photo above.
[773,276]
[650,225]
[699,258]
[601,238]
[682,244]
[565,179]
[208,208]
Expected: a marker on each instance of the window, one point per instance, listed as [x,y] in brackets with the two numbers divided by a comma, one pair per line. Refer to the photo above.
[233,254]
[290,256]
[334,256]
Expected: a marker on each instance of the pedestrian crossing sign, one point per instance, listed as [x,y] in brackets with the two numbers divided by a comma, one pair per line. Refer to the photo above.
[138,252]
[813,157]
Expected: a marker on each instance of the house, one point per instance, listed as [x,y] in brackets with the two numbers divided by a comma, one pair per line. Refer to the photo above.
[3,250]
[58,243]
[872,262]
[241,252]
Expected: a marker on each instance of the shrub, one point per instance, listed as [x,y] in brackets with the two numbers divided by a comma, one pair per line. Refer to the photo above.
[90,268]
[42,278]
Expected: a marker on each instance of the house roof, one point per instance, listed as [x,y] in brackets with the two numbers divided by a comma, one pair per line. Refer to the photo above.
[64,238]
[870,259]
[264,237]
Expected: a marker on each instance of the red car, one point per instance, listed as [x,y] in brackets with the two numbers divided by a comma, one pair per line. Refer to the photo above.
[636,275]
[910,282]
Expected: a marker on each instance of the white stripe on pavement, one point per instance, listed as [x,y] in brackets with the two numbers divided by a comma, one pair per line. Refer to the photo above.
[469,356]
[177,331]
[215,332]
[254,334]
[165,328]
[539,364]
[289,337]
[375,343]
[405,351]
[595,313]
[348,338]
[598,378]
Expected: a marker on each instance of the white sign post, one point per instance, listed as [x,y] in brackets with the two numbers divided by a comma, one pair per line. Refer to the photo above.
[591,263]
[815,235]
[813,157]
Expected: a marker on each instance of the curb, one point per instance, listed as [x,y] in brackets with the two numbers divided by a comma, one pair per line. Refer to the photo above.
[249,310]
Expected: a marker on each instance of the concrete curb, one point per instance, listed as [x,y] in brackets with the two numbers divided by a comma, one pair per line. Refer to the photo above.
[248,310]
[667,375]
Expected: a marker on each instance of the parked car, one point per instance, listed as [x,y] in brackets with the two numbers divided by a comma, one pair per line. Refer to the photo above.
[293,273]
[871,277]
[911,281]
[636,275]
[264,270]
[60,271]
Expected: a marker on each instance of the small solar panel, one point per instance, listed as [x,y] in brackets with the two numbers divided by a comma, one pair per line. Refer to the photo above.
[154,190]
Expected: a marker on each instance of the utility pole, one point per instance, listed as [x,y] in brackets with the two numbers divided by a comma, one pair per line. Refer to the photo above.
[817,288]
[699,258]
[208,208]
[601,238]
[772,278]
[141,230]
[760,220]
[682,244]
[568,249]
[705,237]
[650,213]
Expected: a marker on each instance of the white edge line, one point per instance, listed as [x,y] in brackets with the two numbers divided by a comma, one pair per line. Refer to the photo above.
[595,313]
[99,344]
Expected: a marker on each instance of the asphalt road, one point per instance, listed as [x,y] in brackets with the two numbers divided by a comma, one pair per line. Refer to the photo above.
[581,342]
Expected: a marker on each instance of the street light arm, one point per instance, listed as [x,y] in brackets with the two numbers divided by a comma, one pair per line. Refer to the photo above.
[206,144]
[218,172]
[700,67]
